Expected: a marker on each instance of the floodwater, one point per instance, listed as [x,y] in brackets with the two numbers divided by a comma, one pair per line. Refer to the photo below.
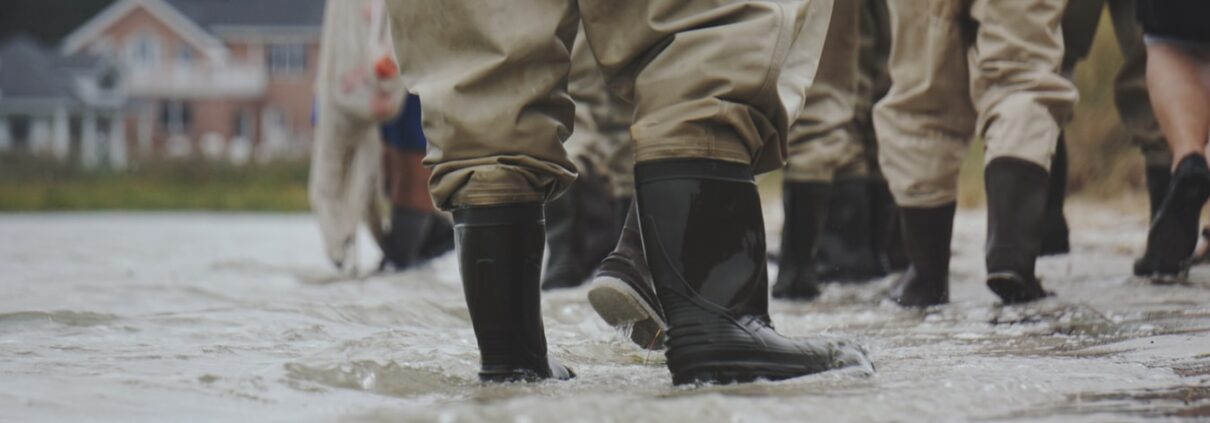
[205,317]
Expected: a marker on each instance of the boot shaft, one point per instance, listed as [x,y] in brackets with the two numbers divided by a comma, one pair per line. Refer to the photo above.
[500,257]
[927,234]
[704,237]
[1016,203]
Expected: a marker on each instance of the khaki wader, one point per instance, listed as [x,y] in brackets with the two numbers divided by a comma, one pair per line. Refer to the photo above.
[834,136]
[708,79]
[602,130]
[1130,87]
[963,68]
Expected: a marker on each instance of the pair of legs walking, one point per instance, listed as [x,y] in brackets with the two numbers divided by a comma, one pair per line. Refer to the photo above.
[711,104]
[963,68]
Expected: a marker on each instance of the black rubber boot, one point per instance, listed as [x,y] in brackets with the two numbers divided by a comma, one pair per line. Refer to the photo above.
[403,242]
[438,238]
[500,256]
[1173,234]
[806,207]
[845,251]
[887,239]
[621,214]
[1158,180]
[622,292]
[704,240]
[1016,203]
[927,233]
[581,231]
[1056,238]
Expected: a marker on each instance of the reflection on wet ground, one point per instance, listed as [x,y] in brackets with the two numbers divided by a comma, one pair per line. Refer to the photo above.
[207,317]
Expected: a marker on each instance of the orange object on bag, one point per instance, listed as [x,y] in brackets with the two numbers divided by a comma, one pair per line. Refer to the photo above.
[386,68]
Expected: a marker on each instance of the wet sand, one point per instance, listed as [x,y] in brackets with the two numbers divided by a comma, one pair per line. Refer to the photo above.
[201,317]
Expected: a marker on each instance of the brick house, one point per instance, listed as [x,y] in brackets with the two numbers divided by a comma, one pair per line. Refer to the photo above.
[215,77]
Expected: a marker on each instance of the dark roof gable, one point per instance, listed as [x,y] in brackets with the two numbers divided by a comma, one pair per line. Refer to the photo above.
[29,71]
[210,14]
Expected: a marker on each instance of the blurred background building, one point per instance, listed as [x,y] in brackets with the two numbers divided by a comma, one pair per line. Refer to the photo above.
[221,79]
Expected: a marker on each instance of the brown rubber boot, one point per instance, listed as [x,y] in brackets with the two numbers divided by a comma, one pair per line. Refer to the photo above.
[622,292]
[1016,204]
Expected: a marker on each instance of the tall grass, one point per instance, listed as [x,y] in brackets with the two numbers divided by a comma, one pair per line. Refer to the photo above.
[30,183]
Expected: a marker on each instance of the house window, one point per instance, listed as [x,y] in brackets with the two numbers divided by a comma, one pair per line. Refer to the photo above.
[143,50]
[176,117]
[288,59]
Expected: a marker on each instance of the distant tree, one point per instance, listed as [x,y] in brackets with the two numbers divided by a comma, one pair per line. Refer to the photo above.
[48,21]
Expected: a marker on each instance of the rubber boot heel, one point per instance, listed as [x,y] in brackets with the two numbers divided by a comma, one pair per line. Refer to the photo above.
[1015,289]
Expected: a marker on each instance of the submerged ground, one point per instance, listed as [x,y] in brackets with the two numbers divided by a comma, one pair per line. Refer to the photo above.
[184,317]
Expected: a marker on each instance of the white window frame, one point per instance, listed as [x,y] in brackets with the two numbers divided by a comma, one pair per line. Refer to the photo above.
[287,59]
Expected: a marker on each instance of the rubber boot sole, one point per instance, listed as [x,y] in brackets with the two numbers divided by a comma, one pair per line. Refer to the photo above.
[729,373]
[558,371]
[621,306]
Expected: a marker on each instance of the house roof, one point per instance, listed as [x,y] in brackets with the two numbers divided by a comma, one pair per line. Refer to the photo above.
[28,71]
[212,14]
[198,21]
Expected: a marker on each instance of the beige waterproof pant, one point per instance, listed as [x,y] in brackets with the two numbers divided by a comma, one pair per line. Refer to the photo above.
[823,141]
[1130,87]
[873,80]
[705,78]
[833,137]
[602,128]
[962,68]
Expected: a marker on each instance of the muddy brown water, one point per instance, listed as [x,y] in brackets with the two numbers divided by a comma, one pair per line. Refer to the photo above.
[200,317]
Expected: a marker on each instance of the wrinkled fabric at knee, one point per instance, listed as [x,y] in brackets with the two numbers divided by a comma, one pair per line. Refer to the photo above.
[493,76]
[731,110]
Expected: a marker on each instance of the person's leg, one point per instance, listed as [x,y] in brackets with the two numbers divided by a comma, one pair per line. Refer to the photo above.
[1179,98]
[821,142]
[622,290]
[495,111]
[1079,26]
[580,224]
[1133,103]
[1022,102]
[873,83]
[407,185]
[1182,106]
[698,137]
[924,125]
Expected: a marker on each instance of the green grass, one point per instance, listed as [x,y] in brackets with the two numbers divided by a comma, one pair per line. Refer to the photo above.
[36,184]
